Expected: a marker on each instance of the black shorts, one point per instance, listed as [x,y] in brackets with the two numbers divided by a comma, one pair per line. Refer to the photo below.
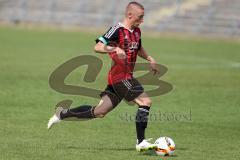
[126,89]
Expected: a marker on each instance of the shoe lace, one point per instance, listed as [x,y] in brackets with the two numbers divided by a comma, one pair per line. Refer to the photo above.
[147,140]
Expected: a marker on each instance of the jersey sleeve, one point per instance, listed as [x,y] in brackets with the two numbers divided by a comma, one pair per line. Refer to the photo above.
[110,36]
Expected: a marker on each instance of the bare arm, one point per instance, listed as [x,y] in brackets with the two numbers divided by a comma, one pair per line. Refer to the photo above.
[103,49]
[142,53]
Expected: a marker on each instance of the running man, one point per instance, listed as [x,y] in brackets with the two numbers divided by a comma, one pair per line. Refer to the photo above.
[122,43]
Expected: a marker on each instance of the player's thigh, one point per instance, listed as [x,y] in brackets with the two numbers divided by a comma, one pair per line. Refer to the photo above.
[143,100]
[105,105]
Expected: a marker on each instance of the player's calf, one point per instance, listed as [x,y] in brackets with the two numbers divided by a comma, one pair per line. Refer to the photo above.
[83,112]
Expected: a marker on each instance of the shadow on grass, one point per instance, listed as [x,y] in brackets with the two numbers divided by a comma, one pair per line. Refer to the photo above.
[146,153]
[100,148]
[182,148]
[152,153]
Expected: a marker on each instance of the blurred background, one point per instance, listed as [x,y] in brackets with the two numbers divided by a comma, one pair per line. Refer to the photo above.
[210,17]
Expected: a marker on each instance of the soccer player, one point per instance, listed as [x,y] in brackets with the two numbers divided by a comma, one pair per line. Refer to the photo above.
[123,44]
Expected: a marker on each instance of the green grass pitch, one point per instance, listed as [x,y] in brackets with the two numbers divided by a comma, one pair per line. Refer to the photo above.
[202,112]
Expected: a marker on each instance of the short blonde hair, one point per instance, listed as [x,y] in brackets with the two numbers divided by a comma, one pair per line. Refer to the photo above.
[136,4]
[131,4]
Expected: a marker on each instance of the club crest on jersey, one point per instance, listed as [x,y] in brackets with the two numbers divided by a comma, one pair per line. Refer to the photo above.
[136,35]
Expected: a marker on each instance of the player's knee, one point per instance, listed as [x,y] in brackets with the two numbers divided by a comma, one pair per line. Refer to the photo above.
[101,114]
[147,102]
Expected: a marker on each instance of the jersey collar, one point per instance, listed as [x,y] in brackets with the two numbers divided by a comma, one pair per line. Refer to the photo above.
[131,30]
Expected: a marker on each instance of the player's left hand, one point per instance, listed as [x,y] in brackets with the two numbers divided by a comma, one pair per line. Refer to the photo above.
[154,67]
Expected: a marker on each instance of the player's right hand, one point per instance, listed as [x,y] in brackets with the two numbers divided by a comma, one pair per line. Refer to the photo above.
[120,53]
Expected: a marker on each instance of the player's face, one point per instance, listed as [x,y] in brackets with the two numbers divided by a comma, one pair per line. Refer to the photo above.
[137,18]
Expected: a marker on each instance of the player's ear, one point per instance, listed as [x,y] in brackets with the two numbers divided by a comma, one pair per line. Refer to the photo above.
[130,15]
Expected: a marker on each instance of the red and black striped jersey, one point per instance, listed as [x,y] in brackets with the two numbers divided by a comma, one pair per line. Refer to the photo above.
[130,42]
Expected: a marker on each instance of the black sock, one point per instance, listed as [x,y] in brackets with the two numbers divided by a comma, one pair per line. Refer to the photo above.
[141,122]
[81,112]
